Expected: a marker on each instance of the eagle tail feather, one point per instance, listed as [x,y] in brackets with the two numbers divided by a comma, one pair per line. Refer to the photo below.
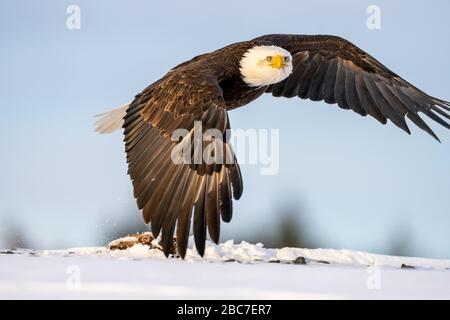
[112,120]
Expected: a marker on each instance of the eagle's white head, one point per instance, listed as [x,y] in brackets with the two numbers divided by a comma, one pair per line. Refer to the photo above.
[265,65]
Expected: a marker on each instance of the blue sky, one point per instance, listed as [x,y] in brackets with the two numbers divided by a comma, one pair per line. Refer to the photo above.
[359,183]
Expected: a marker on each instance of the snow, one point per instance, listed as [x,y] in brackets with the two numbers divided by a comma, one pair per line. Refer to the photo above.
[228,271]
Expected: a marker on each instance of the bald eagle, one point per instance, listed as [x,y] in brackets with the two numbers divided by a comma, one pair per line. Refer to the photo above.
[206,87]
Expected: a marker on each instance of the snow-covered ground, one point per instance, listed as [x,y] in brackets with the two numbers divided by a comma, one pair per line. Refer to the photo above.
[228,271]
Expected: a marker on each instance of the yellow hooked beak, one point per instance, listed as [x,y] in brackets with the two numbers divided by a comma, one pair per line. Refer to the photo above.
[277,62]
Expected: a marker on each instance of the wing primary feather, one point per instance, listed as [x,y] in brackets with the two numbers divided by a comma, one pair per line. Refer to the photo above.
[351,95]
[442,113]
[315,90]
[410,104]
[385,108]
[305,80]
[367,101]
[418,121]
[184,215]
[212,215]
[236,180]
[395,104]
[145,186]
[173,210]
[412,111]
[436,118]
[339,87]
[224,194]
[199,216]
[166,187]
[330,81]
[444,104]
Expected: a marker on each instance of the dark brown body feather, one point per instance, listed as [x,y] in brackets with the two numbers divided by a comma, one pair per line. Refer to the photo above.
[206,87]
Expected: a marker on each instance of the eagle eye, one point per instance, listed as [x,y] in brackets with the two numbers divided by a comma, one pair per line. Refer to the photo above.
[286,59]
[269,58]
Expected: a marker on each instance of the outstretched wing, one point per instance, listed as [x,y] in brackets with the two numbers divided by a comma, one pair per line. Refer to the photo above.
[170,193]
[334,70]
